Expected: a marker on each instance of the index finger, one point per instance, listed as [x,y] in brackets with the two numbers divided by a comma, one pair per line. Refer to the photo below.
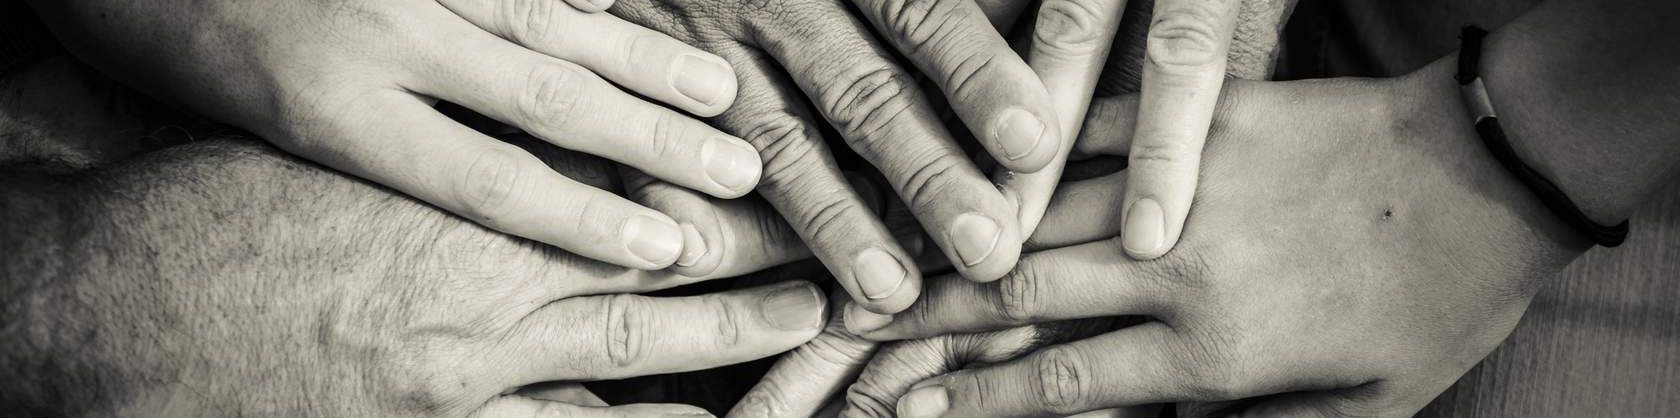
[1183,70]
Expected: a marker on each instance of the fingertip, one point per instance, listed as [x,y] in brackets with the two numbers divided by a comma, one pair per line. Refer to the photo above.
[1144,234]
[590,6]
[883,282]
[1023,141]
[706,80]
[731,164]
[984,248]
[795,306]
[652,238]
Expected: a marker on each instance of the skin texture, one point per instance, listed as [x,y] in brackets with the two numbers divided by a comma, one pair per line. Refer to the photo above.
[350,84]
[1062,50]
[219,279]
[1432,259]
[785,51]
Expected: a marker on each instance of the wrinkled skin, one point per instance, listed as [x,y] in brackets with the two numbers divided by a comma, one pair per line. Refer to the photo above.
[1353,251]
[275,287]
[787,50]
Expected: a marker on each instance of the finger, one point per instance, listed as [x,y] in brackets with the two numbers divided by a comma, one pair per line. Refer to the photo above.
[1069,46]
[419,152]
[563,392]
[1084,281]
[901,364]
[514,406]
[875,106]
[569,106]
[1109,126]
[1182,74]
[721,238]
[1081,212]
[802,382]
[618,336]
[804,184]
[988,85]
[638,58]
[1132,366]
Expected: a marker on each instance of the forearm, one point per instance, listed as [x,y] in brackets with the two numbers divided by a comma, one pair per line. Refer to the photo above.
[1586,90]
[90,328]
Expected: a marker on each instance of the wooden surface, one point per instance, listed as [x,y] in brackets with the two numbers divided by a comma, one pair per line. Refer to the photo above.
[1601,340]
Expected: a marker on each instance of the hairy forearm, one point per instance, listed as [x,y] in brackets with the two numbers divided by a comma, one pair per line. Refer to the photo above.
[1586,90]
[91,327]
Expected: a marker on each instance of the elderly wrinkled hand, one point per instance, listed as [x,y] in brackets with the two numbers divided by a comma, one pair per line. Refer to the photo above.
[274,287]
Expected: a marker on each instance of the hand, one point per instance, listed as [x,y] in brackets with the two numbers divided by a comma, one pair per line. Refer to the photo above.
[1354,251]
[1070,73]
[787,50]
[349,83]
[278,300]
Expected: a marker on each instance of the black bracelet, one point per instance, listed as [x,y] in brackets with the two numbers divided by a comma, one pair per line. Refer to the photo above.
[1487,126]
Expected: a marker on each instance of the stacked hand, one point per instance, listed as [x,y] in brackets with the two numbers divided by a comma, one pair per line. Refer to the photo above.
[1324,272]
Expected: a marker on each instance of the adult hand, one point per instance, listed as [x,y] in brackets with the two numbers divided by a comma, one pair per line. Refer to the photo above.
[1355,250]
[349,83]
[279,288]
[1071,63]
[787,50]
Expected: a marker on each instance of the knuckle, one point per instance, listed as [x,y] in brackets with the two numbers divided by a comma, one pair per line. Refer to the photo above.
[1188,38]
[932,181]
[867,399]
[827,218]
[787,149]
[666,138]
[1062,380]
[1212,368]
[553,97]
[492,183]
[429,391]
[967,70]
[729,320]
[862,106]
[628,330]
[528,21]
[1069,27]
[1020,294]
[916,21]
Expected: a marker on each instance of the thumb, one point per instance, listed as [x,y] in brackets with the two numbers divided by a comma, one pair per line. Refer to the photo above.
[515,406]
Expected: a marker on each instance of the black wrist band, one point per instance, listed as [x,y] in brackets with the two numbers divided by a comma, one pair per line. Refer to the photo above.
[1487,126]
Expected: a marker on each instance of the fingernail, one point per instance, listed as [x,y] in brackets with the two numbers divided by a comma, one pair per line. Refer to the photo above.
[1145,228]
[878,274]
[974,236]
[694,246]
[860,321]
[652,239]
[700,79]
[734,166]
[924,402]
[793,308]
[1018,133]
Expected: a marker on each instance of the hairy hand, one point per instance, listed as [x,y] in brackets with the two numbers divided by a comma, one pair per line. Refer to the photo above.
[226,279]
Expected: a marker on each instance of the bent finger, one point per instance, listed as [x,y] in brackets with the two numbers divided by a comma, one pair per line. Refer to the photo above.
[1183,71]
[721,238]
